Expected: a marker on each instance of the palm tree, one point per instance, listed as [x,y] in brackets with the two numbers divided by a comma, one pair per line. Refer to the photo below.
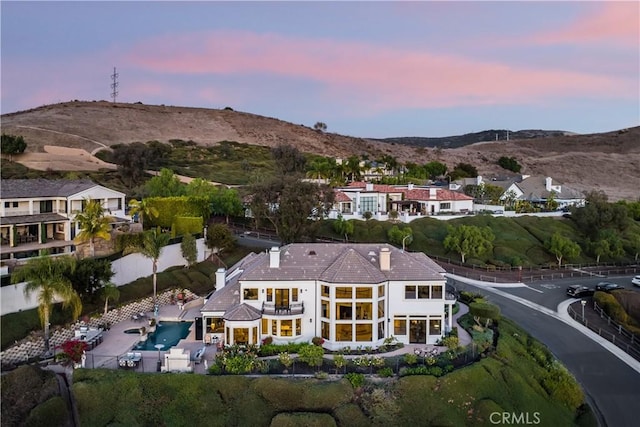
[151,247]
[93,224]
[142,208]
[47,277]
[109,291]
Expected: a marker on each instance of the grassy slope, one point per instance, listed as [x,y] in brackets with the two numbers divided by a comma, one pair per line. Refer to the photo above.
[514,380]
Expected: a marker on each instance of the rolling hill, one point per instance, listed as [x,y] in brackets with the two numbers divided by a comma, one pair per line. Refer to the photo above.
[605,161]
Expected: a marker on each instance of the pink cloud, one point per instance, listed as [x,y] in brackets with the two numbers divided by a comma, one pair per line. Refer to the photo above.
[370,74]
[615,21]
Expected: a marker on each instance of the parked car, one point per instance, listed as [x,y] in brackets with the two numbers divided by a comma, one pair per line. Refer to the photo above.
[636,281]
[608,287]
[579,291]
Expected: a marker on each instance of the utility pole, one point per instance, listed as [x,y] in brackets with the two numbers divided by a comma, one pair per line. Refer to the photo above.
[114,85]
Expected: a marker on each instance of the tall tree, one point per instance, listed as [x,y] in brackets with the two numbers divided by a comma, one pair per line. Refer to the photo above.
[89,276]
[353,169]
[47,277]
[219,238]
[343,227]
[93,224]
[288,159]
[469,240]
[151,247]
[11,144]
[562,247]
[143,209]
[227,202]
[399,236]
[189,249]
[598,214]
[320,126]
[165,184]
[290,206]
[109,292]
[132,160]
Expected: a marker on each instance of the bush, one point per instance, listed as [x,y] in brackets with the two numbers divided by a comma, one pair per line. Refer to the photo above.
[467,297]
[385,372]
[317,341]
[356,379]
[53,412]
[410,358]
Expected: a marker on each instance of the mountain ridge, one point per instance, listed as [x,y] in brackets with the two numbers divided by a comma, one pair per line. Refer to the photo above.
[603,161]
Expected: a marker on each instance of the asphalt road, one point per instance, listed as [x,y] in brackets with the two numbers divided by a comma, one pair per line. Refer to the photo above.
[611,385]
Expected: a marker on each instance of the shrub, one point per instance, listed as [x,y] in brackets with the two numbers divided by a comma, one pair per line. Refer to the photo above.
[356,379]
[311,355]
[410,358]
[321,375]
[215,369]
[339,361]
[467,297]
[385,372]
[450,342]
[267,340]
[317,341]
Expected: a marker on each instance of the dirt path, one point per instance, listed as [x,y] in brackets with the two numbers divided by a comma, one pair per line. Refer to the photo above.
[102,146]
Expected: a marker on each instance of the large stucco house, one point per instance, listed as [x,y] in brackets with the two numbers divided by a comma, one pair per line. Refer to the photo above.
[539,189]
[349,294]
[409,201]
[39,214]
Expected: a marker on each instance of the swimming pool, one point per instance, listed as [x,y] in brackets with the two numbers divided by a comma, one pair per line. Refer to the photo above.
[167,333]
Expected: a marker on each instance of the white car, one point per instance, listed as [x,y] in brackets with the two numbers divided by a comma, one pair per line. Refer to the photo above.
[636,280]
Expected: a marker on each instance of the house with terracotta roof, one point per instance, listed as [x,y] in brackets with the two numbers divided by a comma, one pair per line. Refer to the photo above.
[38,214]
[409,201]
[349,294]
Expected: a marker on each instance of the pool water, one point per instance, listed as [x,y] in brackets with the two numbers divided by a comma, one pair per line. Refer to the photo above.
[167,333]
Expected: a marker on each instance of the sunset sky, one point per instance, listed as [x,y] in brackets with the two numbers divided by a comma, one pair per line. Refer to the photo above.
[367,69]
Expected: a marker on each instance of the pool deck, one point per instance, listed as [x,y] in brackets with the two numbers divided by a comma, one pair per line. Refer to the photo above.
[117,343]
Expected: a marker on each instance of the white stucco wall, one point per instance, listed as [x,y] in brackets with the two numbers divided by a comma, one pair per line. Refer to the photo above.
[126,269]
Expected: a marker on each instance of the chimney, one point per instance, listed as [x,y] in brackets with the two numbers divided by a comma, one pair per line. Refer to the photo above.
[369,186]
[547,183]
[274,257]
[433,193]
[221,278]
[410,186]
[385,259]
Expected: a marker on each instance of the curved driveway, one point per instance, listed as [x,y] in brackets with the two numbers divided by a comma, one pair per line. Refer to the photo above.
[609,377]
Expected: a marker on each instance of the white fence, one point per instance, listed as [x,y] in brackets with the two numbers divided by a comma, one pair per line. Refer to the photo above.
[126,269]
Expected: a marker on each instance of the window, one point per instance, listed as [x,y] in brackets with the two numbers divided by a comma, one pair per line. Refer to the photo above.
[326,309]
[46,206]
[7,204]
[251,294]
[423,292]
[399,326]
[344,311]
[286,328]
[294,295]
[435,327]
[325,291]
[60,228]
[436,292]
[363,310]
[265,326]
[409,292]
[254,340]
[380,291]
[381,330]
[380,309]
[344,332]
[364,332]
[344,292]
[368,204]
[274,328]
[269,295]
[241,336]
[325,330]
[446,205]
[362,293]
[298,323]
[216,324]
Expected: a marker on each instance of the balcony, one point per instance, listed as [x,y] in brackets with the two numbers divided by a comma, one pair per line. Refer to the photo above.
[282,310]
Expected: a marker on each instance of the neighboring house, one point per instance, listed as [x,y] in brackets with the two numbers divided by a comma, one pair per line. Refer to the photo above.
[349,294]
[538,189]
[411,202]
[38,214]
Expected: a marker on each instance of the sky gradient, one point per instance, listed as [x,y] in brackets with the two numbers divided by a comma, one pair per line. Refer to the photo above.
[367,69]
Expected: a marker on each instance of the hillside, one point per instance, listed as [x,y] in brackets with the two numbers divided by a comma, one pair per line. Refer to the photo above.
[607,161]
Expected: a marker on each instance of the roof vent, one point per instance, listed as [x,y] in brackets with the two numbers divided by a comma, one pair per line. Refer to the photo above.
[312,252]
[371,253]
